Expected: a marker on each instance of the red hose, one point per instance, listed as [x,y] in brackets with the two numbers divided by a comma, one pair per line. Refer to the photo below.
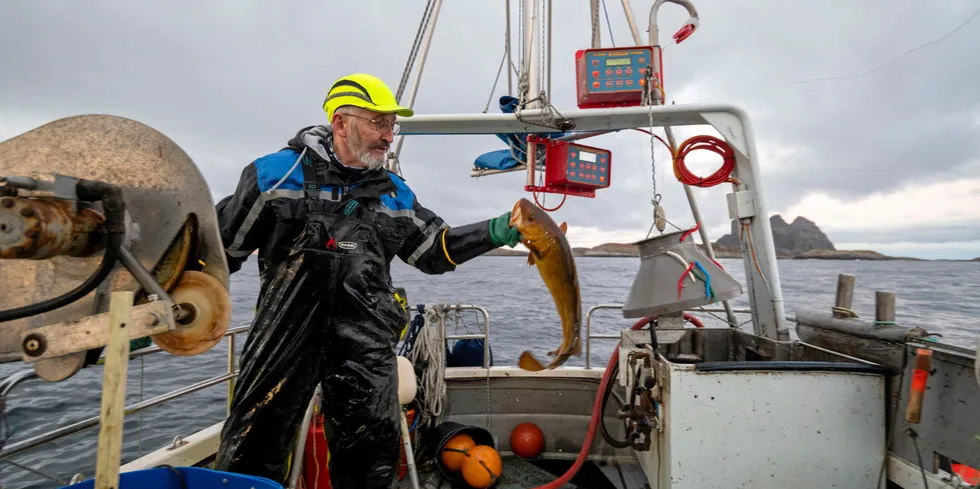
[693,320]
[714,145]
[597,408]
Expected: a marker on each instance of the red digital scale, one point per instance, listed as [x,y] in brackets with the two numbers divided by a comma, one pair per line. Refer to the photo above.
[571,168]
[612,77]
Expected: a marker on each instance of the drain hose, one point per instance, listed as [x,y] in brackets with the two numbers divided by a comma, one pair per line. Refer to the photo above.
[598,407]
[596,416]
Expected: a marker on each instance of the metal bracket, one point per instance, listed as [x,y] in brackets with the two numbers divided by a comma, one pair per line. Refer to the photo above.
[64,338]
[178,442]
[741,204]
[55,184]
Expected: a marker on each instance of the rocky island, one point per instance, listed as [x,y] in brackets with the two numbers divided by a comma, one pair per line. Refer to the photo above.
[799,240]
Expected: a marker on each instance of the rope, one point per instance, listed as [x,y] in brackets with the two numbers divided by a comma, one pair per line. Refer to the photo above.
[426,16]
[743,230]
[413,331]
[36,472]
[429,349]
[608,23]
[844,312]
[497,79]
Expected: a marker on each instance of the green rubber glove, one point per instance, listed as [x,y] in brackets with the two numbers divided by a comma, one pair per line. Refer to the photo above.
[501,233]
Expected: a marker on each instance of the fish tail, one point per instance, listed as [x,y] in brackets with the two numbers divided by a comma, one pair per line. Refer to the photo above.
[528,362]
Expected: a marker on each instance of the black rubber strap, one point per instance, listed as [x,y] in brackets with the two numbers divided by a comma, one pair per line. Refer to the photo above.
[311,177]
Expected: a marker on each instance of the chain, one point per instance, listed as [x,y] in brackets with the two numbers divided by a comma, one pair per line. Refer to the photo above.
[594,12]
[659,218]
[653,162]
[542,64]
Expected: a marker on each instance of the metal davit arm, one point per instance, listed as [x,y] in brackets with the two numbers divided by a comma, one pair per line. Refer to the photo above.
[747,203]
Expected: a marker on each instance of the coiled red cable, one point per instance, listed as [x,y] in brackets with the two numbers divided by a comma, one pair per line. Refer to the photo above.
[712,144]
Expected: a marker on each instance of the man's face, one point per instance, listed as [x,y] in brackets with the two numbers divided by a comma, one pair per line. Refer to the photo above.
[369,135]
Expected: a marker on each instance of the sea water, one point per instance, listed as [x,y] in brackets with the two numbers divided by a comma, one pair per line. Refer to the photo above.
[939,296]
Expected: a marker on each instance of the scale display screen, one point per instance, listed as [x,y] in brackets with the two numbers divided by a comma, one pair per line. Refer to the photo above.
[577,165]
[612,76]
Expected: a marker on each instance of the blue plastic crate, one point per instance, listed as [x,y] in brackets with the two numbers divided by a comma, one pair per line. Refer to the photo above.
[193,478]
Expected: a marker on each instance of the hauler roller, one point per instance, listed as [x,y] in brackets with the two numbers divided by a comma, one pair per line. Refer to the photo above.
[96,204]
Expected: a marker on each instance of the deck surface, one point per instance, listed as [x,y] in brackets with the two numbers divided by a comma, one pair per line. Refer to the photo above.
[520,474]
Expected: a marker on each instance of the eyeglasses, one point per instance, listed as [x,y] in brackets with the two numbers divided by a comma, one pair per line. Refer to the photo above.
[380,125]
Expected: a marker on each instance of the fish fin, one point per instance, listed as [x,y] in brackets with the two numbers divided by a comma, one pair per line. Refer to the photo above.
[530,259]
[564,227]
[528,362]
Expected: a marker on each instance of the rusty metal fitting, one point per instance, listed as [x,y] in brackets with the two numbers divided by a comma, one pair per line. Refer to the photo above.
[40,228]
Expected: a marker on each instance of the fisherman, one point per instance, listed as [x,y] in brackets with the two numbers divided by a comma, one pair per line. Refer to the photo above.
[327,218]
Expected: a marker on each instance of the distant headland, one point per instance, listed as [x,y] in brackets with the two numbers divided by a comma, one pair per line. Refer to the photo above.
[800,240]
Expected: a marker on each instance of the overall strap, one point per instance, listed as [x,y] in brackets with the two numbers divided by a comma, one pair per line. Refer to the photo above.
[313,170]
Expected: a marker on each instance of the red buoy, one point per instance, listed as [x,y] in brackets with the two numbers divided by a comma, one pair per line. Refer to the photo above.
[527,441]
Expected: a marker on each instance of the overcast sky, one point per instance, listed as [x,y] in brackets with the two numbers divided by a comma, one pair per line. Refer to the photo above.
[886,161]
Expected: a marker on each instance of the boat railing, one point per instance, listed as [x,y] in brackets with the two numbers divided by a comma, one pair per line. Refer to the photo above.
[231,372]
[228,376]
[85,424]
[485,336]
[599,336]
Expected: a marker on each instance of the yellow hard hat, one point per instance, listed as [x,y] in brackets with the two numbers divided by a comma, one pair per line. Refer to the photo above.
[365,91]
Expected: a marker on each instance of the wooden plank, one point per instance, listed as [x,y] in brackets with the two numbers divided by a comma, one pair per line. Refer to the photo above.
[114,391]
[92,332]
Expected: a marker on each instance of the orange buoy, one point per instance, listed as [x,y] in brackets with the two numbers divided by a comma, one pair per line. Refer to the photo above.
[483,467]
[456,450]
[527,441]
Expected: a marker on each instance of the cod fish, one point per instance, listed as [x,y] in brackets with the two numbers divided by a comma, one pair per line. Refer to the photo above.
[550,252]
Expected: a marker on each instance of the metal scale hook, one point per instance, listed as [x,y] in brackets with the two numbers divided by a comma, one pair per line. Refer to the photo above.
[656,67]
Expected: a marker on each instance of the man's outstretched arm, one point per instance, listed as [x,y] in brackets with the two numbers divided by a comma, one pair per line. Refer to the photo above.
[437,248]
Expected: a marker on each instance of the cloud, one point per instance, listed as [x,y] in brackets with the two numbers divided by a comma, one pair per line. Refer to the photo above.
[230,82]
[942,204]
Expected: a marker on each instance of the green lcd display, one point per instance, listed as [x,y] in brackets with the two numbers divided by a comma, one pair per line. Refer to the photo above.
[618,61]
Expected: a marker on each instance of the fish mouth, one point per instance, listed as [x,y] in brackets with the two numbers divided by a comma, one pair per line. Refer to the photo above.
[522,211]
[516,218]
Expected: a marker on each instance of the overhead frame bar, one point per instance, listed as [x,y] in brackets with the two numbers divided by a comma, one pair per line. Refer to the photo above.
[731,121]
[747,204]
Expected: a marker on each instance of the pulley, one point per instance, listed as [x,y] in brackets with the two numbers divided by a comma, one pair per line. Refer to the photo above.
[54,234]
[202,317]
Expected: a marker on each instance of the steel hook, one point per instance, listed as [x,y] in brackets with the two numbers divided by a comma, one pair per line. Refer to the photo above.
[684,32]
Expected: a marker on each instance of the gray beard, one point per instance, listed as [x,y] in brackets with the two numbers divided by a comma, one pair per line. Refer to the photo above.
[369,161]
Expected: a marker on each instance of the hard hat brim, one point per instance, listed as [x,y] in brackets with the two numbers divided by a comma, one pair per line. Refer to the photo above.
[391,109]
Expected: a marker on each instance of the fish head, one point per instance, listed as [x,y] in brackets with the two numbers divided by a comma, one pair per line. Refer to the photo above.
[523,213]
[538,231]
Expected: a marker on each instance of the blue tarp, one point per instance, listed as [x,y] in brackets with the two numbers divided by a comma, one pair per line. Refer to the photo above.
[502,159]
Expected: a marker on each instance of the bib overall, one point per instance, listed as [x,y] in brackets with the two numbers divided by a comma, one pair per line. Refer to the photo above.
[327,314]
